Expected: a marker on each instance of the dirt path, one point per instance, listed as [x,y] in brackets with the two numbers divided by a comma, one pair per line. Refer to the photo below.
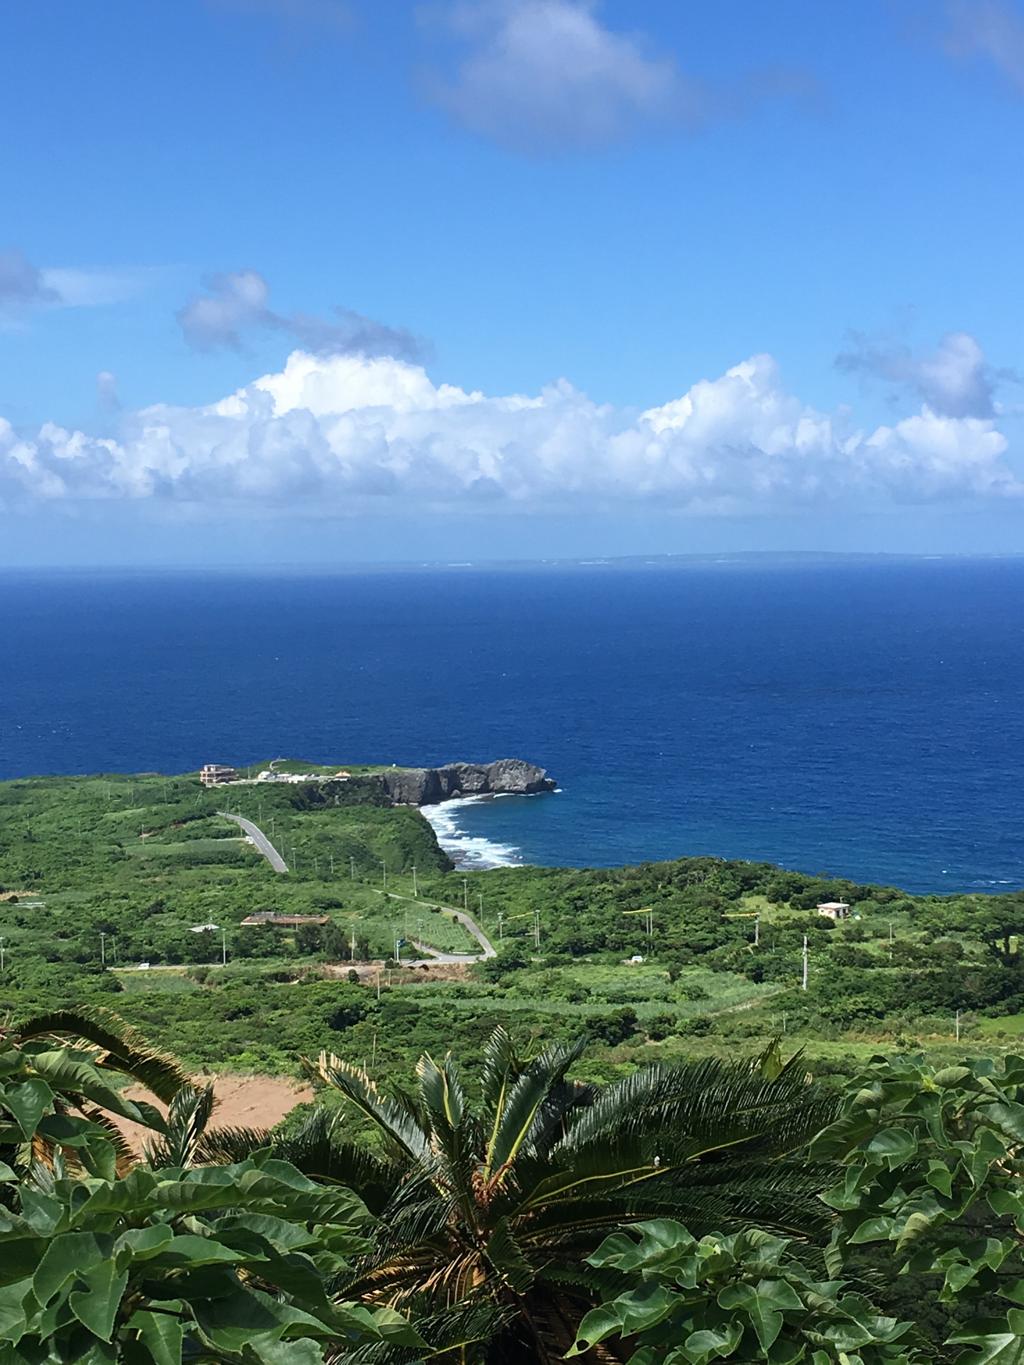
[241,1102]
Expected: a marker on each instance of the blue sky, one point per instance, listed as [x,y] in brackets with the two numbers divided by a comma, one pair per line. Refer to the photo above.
[554,277]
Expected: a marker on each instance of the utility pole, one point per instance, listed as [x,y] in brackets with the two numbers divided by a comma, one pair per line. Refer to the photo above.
[803,983]
[384,869]
[2,956]
[332,864]
[501,925]
[352,867]
[480,905]
[103,949]
[757,931]
[536,928]
[890,940]
[415,885]
[223,947]
[465,895]
[352,945]
[958,1026]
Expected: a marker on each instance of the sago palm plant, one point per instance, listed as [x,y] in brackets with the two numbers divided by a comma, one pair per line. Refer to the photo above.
[497,1201]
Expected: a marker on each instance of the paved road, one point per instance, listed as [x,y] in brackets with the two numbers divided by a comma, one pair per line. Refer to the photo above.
[468,923]
[259,839]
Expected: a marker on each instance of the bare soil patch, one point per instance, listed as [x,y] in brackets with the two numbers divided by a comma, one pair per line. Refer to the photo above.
[241,1102]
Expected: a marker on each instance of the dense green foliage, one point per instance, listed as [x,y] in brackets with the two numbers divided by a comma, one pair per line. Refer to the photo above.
[105,1260]
[746,1297]
[98,875]
[495,1197]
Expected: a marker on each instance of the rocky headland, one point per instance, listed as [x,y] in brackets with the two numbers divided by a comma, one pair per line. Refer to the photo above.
[429,786]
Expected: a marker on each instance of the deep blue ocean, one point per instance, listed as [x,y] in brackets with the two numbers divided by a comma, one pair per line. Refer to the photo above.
[862,718]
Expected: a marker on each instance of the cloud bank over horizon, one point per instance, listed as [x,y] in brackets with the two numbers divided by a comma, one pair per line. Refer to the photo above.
[343,434]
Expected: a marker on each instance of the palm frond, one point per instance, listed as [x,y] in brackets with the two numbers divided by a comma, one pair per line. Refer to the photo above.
[227,1146]
[121,1047]
[522,1116]
[500,1066]
[453,1130]
[394,1119]
[185,1128]
[716,1104]
[318,1151]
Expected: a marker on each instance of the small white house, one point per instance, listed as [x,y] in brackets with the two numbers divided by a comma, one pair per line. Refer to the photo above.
[834,909]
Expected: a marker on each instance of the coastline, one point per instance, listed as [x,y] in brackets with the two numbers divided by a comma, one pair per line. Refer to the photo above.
[471,852]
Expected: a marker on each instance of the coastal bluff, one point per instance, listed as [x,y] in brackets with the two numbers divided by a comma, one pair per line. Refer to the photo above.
[428,786]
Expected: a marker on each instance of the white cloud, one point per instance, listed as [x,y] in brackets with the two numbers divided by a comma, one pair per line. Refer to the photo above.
[106,390]
[234,301]
[22,283]
[238,302]
[991,30]
[343,434]
[542,73]
[955,379]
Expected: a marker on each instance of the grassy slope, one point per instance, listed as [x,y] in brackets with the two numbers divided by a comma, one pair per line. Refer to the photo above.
[140,859]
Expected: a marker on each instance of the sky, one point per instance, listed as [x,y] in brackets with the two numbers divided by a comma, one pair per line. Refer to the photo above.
[326,281]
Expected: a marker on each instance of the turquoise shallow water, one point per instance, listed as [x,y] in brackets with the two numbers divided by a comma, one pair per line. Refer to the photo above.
[859,718]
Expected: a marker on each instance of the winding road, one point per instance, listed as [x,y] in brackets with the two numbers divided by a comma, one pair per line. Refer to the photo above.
[487,948]
[259,839]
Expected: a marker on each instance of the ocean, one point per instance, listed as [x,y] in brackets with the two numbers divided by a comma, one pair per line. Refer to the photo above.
[862,718]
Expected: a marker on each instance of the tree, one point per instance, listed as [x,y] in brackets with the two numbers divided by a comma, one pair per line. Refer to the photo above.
[932,1185]
[105,1260]
[495,1204]
[747,1297]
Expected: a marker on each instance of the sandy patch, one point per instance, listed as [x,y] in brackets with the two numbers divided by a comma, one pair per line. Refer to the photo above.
[241,1102]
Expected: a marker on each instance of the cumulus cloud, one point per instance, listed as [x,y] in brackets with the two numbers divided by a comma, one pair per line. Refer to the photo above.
[21,283]
[991,30]
[239,301]
[345,433]
[233,302]
[955,380]
[106,391]
[541,73]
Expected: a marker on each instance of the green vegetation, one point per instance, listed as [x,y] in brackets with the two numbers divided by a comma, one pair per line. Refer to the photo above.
[101,874]
[679,1216]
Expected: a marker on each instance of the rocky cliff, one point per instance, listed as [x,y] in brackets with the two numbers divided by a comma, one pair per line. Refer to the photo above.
[427,786]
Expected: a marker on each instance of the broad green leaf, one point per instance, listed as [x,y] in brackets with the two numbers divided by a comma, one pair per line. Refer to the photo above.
[709,1342]
[13,1318]
[96,1306]
[597,1325]
[1008,1118]
[872,1230]
[28,1102]
[894,1146]
[70,1255]
[162,1336]
[995,1348]
[142,1243]
[189,1251]
[270,1351]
